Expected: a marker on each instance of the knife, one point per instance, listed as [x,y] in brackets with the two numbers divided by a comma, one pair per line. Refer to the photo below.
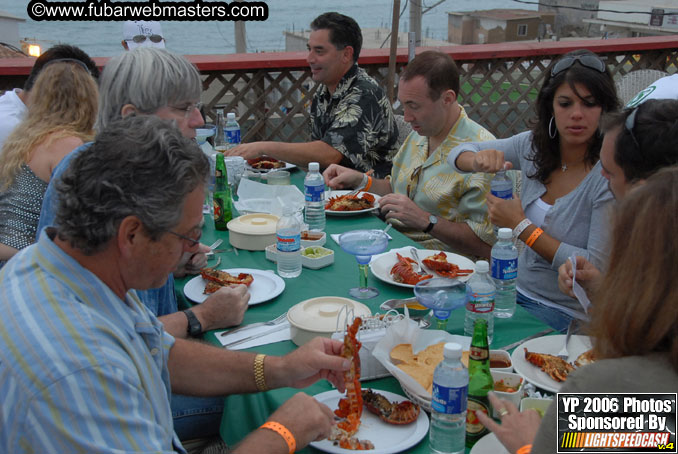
[534,336]
[258,335]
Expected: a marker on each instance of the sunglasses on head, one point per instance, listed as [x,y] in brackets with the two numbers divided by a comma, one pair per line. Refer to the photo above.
[141,38]
[590,61]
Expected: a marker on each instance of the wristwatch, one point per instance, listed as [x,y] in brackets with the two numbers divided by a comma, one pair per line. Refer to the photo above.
[433,220]
[194,327]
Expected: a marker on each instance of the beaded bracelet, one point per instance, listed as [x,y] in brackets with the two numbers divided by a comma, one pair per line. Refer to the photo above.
[527,449]
[283,432]
[259,378]
[533,237]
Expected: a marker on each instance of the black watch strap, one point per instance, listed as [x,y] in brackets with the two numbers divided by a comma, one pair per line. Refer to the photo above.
[431,224]
[194,327]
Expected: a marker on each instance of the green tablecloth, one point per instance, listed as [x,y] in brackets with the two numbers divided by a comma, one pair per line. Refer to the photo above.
[246,412]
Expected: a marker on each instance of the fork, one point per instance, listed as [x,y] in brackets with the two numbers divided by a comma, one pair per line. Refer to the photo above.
[420,264]
[563,353]
[279,319]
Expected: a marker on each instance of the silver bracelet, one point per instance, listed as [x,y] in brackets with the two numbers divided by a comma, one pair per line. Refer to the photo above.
[520,228]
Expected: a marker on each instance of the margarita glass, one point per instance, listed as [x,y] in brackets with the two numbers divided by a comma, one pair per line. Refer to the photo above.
[443,296]
[363,244]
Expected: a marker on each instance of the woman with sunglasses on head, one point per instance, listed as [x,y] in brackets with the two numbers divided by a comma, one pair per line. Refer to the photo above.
[563,210]
[634,319]
[60,118]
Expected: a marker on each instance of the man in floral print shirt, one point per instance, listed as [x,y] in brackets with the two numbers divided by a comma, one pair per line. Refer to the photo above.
[352,121]
[425,198]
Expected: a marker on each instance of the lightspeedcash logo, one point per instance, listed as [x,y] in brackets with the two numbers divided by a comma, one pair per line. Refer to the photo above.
[196,10]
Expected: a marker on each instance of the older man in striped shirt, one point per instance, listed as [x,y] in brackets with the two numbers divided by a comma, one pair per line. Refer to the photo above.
[85,366]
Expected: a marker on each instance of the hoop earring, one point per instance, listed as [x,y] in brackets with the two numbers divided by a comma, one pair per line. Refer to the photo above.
[552,127]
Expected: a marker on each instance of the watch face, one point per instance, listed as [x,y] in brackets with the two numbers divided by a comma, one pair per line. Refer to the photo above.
[433,219]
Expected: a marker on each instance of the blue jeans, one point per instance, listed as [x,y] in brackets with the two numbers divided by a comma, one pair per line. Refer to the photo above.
[196,417]
[553,317]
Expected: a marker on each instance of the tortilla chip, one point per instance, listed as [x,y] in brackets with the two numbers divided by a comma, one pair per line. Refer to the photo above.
[423,376]
[402,353]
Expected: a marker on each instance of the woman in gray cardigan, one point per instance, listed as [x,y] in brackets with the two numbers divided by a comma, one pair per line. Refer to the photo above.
[563,210]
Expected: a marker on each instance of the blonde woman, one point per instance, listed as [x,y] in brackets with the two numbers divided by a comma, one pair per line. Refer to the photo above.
[60,118]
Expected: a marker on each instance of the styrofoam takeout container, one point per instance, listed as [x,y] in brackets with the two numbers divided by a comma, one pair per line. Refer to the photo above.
[252,232]
[307,262]
[318,317]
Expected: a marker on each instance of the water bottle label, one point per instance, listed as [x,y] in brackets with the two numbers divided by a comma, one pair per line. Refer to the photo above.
[288,243]
[314,193]
[233,136]
[480,302]
[504,269]
[506,194]
[449,400]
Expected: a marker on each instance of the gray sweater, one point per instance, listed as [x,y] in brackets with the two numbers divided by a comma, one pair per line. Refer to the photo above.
[579,220]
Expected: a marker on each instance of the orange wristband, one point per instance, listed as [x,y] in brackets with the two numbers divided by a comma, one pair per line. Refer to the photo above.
[527,449]
[533,237]
[369,183]
[283,432]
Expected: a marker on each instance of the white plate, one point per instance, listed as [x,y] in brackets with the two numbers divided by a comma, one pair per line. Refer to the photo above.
[351,213]
[551,345]
[381,266]
[387,438]
[265,286]
[288,166]
[488,445]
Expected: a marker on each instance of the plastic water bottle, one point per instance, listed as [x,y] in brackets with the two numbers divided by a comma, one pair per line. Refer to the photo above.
[447,433]
[232,131]
[314,193]
[480,293]
[220,144]
[504,266]
[288,244]
[501,186]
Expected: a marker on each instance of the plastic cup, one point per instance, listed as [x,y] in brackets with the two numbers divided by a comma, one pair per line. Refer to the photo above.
[279,177]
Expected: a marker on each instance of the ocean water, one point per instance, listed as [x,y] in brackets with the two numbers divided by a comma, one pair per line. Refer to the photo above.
[102,39]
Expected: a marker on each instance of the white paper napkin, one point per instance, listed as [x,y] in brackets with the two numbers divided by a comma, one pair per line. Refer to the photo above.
[263,198]
[277,336]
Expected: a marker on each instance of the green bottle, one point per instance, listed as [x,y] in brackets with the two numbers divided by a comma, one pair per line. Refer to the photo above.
[223,204]
[480,383]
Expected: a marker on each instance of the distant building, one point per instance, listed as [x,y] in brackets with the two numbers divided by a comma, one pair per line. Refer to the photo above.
[9,36]
[635,18]
[498,26]
[571,16]
[373,38]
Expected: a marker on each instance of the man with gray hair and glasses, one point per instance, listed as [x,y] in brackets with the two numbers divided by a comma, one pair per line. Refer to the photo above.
[148,81]
[86,366]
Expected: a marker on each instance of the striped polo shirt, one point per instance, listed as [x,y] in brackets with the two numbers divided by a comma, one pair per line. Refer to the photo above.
[80,369]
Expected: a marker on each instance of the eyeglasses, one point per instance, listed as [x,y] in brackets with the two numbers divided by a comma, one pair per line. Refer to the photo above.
[630,123]
[192,242]
[188,110]
[141,38]
[590,61]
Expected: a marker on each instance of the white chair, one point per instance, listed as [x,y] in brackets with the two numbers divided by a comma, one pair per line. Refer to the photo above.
[630,84]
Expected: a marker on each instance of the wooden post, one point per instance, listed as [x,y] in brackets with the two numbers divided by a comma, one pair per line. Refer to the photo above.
[390,78]
[240,36]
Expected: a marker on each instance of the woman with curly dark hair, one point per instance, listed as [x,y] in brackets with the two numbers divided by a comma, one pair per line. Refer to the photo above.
[564,196]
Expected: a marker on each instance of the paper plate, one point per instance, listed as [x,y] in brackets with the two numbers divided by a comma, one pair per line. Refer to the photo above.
[265,286]
[351,213]
[387,438]
[381,266]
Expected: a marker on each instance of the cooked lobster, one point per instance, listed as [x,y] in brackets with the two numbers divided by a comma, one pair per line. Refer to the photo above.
[438,263]
[265,162]
[399,413]
[404,273]
[215,279]
[350,202]
[351,406]
[557,368]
